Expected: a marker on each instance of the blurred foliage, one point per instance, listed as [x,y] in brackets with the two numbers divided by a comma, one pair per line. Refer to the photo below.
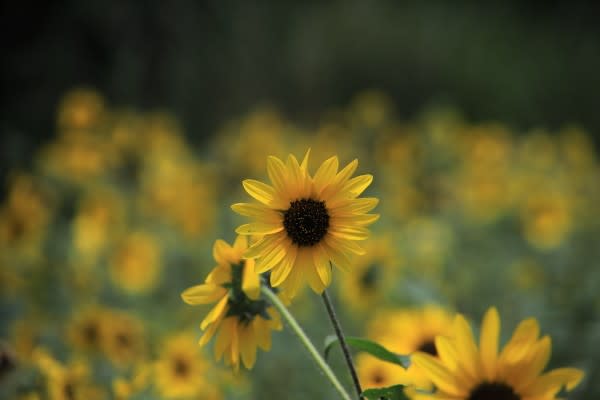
[119,212]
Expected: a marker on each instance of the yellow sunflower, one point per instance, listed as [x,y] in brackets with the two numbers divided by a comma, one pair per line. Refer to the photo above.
[307,221]
[243,319]
[181,373]
[406,331]
[123,338]
[372,277]
[464,371]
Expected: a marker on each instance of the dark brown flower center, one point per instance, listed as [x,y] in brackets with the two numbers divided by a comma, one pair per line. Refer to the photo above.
[493,391]
[428,347]
[370,277]
[90,334]
[306,222]
[181,367]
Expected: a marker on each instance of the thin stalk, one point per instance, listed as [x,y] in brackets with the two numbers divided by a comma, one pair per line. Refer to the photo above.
[338,331]
[306,342]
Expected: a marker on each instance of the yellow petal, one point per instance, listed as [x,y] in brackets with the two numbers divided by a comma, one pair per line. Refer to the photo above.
[439,375]
[551,382]
[339,258]
[325,173]
[260,191]
[465,344]
[304,164]
[224,338]
[347,172]
[250,281]
[203,294]
[355,206]
[350,232]
[259,228]
[359,219]
[322,265]
[208,334]
[248,346]
[277,173]
[214,314]
[358,184]
[282,271]
[270,260]
[535,364]
[488,342]
[222,252]
[264,246]
[521,341]
[257,211]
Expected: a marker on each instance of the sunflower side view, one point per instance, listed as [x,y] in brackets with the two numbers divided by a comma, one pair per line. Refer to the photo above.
[241,319]
[465,372]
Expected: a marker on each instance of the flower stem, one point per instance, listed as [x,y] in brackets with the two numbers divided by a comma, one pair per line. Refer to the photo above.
[338,331]
[305,341]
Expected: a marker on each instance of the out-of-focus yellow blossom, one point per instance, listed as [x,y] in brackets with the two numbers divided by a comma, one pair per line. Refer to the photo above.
[182,372]
[81,109]
[136,264]
[66,382]
[99,220]
[25,337]
[537,151]
[370,109]
[242,319]
[466,371]
[85,331]
[180,192]
[24,218]
[546,217]
[374,373]
[123,338]
[245,145]
[405,331]
[124,389]
[371,276]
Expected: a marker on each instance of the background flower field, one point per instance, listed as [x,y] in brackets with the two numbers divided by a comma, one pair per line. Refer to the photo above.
[489,189]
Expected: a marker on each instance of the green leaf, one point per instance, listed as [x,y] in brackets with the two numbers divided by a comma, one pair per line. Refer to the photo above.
[368,346]
[395,392]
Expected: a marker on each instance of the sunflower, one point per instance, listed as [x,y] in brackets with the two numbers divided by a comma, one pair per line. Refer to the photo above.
[123,338]
[374,373]
[406,331]
[372,277]
[463,371]
[307,222]
[243,319]
[181,373]
[84,331]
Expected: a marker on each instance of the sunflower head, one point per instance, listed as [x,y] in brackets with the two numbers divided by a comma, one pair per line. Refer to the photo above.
[466,371]
[243,319]
[308,222]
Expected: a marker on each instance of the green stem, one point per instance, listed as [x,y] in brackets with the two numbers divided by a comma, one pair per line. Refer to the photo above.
[306,342]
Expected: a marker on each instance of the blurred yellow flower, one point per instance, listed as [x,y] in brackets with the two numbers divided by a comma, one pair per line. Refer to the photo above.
[243,319]
[547,218]
[307,222]
[81,109]
[123,338]
[135,266]
[405,331]
[371,276]
[374,373]
[85,331]
[464,371]
[184,373]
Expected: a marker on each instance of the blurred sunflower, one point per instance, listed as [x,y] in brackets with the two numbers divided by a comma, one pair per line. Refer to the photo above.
[373,275]
[181,373]
[244,321]
[66,382]
[123,339]
[374,373]
[406,331]
[84,331]
[136,264]
[463,371]
[307,222]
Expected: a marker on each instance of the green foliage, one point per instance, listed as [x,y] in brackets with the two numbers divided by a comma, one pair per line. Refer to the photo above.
[395,392]
[370,347]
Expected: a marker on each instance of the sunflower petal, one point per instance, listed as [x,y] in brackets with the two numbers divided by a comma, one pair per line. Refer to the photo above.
[438,374]
[350,232]
[277,173]
[325,173]
[219,310]
[257,211]
[488,342]
[551,382]
[203,294]
[269,261]
[250,281]
[248,346]
[282,271]
[260,191]
[264,246]
[259,228]
[322,265]
[352,207]
[222,251]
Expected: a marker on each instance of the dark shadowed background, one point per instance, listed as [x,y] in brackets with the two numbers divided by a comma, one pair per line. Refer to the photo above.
[528,64]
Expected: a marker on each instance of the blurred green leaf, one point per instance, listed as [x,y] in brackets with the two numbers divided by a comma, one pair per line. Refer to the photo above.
[368,346]
[395,392]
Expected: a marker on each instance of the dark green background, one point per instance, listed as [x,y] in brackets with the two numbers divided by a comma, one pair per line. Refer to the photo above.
[529,64]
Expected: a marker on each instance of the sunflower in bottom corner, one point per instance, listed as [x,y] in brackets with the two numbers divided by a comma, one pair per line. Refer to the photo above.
[241,320]
[465,372]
